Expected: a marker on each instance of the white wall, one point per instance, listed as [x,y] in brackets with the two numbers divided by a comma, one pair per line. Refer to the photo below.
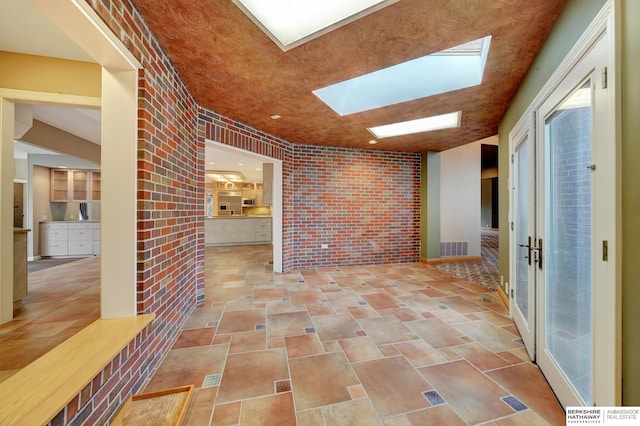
[460,196]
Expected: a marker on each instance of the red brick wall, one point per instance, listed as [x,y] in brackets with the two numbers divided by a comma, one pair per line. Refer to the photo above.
[170,223]
[363,204]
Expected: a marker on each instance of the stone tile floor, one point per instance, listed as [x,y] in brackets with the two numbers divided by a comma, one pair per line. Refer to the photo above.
[399,344]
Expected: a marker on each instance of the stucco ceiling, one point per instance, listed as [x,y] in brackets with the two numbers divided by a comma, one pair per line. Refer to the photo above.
[234,69]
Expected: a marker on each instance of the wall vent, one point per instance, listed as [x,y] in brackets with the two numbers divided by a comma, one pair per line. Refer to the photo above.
[453,248]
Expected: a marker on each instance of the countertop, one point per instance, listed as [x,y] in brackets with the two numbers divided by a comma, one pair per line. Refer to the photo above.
[238,216]
[70,221]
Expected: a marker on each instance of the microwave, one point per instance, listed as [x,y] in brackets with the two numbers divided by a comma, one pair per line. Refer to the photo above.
[248,202]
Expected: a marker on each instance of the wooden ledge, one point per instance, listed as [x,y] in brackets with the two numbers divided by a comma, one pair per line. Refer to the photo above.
[35,394]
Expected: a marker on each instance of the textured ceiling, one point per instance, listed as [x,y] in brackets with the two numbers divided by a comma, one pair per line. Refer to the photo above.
[231,67]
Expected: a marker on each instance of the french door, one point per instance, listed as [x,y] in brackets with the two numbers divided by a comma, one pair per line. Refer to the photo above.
[563,177]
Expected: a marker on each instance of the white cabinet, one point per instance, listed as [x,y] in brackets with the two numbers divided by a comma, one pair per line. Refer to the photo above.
[73,239]
[53,238]
[230,231]
[262,230]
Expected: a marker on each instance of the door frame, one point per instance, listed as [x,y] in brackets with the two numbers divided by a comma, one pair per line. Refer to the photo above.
[607,329]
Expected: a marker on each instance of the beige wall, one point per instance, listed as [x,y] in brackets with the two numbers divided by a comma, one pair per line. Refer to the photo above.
[41,208]
[24,72]
[630,202]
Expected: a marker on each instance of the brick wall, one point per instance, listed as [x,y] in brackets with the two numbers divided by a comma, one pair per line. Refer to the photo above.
[363,204]
[170,236]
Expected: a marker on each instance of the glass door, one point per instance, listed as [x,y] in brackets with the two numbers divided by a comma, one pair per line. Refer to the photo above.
[563,238]
[522,251]
[566,224]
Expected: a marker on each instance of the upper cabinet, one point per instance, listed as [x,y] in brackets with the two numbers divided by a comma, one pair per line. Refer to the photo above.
[75,185]
[96,186]
[59,185]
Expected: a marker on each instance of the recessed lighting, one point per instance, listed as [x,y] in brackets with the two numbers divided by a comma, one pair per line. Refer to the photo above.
[291,23]
[427,124]
[211,162]
[240,164]
[276,116]
[373,142]
[452,69]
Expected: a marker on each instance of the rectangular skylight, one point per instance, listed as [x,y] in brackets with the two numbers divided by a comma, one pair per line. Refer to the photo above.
[290,23]
[427,124]
[451,69]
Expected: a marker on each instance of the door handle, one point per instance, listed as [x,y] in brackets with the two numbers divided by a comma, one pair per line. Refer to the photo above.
[538,250]
[529,248]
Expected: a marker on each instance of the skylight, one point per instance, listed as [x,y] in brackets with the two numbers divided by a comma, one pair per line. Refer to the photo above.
[451,69]
[290,23]
[427,124]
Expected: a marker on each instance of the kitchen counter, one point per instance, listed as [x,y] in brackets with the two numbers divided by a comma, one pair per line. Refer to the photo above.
[238,216]
[237,230]
[69,221]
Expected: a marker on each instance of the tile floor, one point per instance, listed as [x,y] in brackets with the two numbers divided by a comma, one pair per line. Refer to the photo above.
[62,300]
[399,344]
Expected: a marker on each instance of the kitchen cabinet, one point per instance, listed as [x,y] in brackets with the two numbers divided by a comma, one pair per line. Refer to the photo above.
[74,185]
[69,238]
[59,185]
[96,186]
[222,231]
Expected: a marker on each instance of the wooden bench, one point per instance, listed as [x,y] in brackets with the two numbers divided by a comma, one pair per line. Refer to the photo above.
[38,392]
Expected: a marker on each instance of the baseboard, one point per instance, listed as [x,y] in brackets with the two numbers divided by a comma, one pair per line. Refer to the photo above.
[451,259]
[503,297]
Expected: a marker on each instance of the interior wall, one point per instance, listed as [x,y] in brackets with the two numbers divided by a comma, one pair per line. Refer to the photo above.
[630,16]
[460,196]
[41,208]
[25,72]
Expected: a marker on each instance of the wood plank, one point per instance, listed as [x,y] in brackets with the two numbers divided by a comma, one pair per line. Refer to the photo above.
[164,407]
[38,392]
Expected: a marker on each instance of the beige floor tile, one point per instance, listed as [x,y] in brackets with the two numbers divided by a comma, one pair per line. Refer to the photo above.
[321,380]
[304,345]
[435,332]
[480,356]
[393,385]
[494,338]
[360,349]
[188,366]
[527,383]
[288,324]
[252,374]
[236,321]
[248,341]
[226,414]
[351,413]
[381,300]
[440,415]
[419,353]
[269,410]
[472,395]
[334,327]
[201,407]
[384,330]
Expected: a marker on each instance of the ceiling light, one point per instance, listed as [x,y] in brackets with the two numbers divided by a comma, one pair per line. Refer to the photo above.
[373,142]
[276,116]
[427,124]
[290,23]
[222,176]
[445,71]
